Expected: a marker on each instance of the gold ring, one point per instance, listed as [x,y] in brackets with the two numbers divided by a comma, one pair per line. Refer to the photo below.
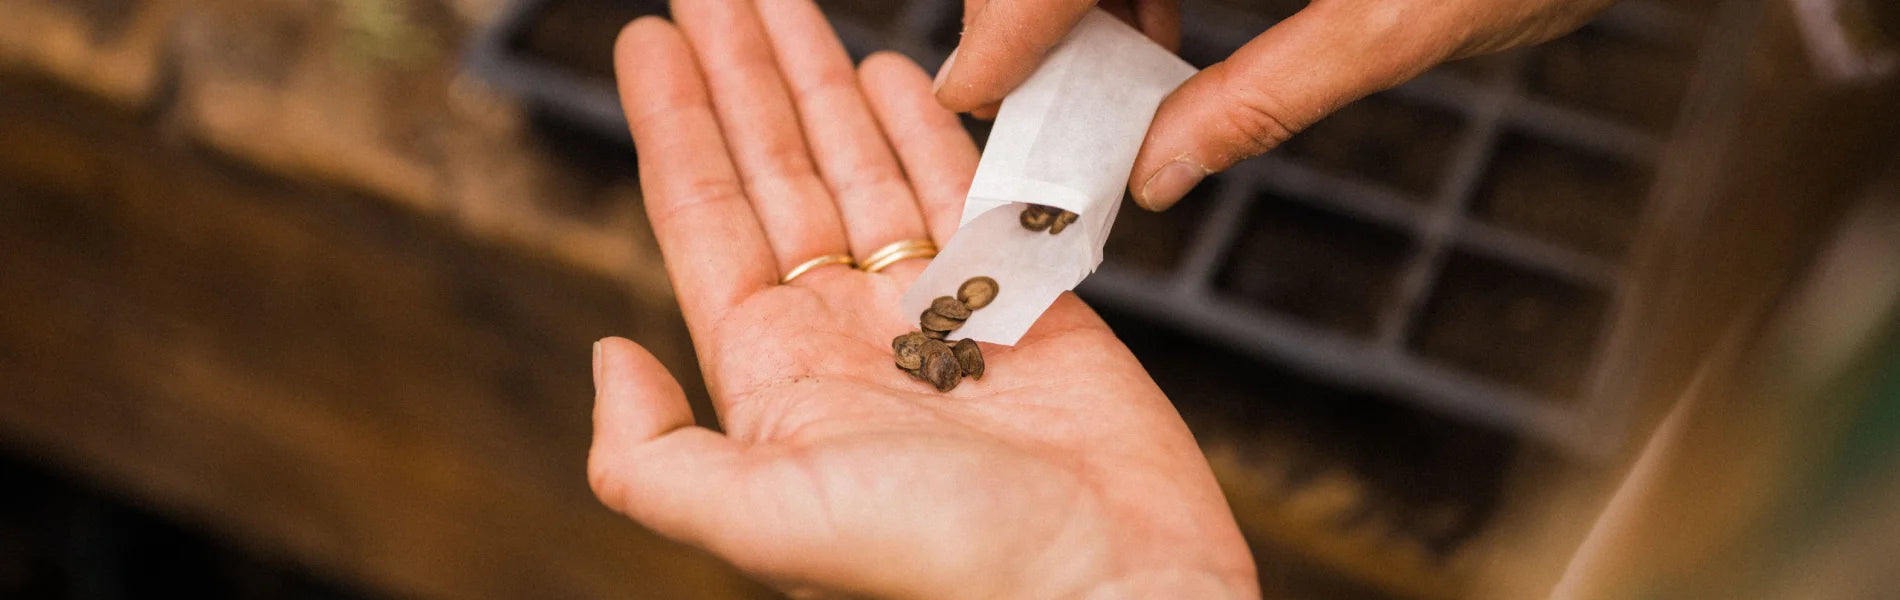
[828,259]
[898,252]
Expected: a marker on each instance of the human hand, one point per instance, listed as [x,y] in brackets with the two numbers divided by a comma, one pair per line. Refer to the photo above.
[1063,473]
[1330,53]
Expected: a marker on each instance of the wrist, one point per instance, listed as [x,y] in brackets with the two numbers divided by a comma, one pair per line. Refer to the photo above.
[1172,583]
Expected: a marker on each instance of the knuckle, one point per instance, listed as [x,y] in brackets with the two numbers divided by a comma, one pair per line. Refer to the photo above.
[783,158]
[655,111]
[601,478]
[711,190]
[875,185]
[883,59]
[694,195]
[1260,125]
[829,85]
[865,175]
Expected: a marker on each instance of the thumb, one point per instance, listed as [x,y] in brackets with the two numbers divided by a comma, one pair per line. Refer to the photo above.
[648,461]
[1289,77]
[1003,42]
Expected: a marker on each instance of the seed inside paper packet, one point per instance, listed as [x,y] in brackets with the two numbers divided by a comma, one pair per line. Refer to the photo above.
[1062,222]
[977,292]
[936,321]
[950,308]
[926,355]
[1037,217]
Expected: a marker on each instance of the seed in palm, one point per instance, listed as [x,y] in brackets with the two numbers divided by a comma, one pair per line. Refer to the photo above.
[926,355]
[969,357]
[909,350]
[940,366]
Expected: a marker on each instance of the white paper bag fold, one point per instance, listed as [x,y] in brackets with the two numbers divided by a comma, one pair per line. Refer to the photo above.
[1066,138]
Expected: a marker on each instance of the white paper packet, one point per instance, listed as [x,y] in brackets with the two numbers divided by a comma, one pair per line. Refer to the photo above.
[1066,138]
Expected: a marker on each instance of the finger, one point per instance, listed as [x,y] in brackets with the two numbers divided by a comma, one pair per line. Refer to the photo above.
[715,252]
[1002,44]
[761,130]
[971,8]
[936,153]
[635,399]
[648,461]
[856,163]
[1160,20]
[1292,75]
[1007,39]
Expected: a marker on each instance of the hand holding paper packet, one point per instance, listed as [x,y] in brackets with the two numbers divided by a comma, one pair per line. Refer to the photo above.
[1066,138]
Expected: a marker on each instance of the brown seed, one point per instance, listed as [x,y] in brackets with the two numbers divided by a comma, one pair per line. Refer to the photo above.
[931,320]
[969,357]
[909,349]
[1062,222]
[950,307]
[1036,217]
[940,366]
[935,334]
[977,292]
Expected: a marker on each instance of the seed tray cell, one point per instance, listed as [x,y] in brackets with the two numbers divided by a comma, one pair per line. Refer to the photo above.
[1211,31]
[1631,80]
[1434,479]
[1577,199]
[875,14]
[1202,51]
[1486,69]
[1382,138]
[1506,324]
[1323,268]
[1274,10]
[1156,242]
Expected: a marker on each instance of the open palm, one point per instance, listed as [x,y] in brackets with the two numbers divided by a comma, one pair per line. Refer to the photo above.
[1064,472]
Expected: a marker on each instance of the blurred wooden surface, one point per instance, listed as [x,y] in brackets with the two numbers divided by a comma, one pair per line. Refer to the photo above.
[310,371]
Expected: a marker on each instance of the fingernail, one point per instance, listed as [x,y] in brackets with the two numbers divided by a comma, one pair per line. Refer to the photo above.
[943,71]
[597,367]
[1170,184]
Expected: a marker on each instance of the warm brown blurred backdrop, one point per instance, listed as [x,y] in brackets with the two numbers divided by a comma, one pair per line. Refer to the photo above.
[296,295]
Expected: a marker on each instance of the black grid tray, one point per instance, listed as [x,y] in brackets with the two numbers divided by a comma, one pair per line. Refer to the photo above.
[1461,242]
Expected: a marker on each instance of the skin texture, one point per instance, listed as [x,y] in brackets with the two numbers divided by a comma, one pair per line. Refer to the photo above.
[1300,70]
[1063,473]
